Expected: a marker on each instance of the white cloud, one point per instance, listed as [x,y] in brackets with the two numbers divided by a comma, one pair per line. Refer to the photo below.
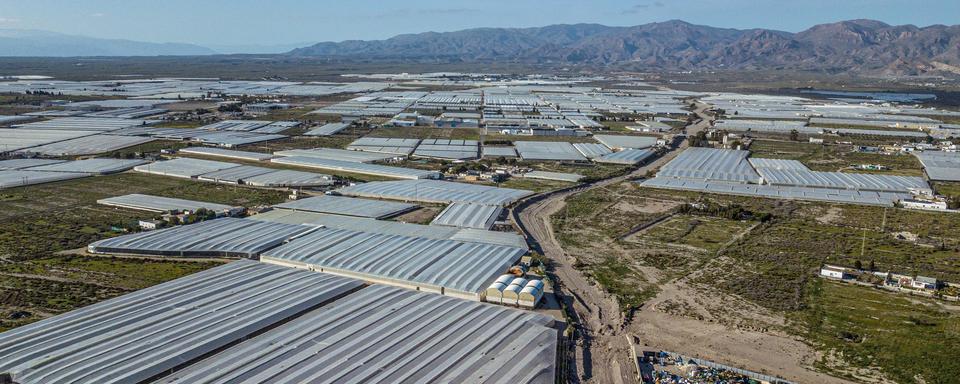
[98,14]
[7,20]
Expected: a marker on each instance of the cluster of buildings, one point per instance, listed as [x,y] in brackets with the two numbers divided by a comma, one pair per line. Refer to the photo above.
[338,289]
[533,110]
[764,114]
[886,279]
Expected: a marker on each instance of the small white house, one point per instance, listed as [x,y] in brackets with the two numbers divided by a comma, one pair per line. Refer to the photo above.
[924,204]
[835,272]
[923,282]
[149,225]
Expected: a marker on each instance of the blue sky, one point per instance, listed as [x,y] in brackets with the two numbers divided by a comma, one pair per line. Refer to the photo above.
[235,22]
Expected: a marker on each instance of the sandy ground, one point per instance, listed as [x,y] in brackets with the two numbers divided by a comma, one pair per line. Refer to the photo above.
[681,318]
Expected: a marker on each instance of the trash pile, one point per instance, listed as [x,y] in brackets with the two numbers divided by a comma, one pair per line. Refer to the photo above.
[673,369]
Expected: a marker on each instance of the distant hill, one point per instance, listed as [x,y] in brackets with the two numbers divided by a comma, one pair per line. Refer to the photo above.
[17,42]
[855,45]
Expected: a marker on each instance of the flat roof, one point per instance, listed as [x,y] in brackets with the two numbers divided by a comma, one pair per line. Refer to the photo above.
[140,335]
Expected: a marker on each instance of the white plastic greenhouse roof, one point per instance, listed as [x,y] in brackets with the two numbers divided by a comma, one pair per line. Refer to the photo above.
[219,237]
[388,335]
[387,227]
[436,191]
[348,206]
[160,204]
[711,164]
[463,268]
[467,215]
[137,336]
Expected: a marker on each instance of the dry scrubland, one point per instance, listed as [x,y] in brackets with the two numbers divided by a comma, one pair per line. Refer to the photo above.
[39,222]
[750,265]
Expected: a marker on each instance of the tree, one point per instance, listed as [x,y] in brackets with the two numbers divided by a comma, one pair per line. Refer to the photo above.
[794,135]
[873,266]
[858,265]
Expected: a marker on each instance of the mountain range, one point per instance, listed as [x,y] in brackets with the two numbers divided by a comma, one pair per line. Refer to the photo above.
[25,42]
[858,46]
[848,46]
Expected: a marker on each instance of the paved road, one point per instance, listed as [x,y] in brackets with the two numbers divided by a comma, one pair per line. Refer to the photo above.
[602,352]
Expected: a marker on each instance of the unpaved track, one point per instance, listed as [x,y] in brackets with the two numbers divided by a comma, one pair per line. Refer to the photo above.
[602,352]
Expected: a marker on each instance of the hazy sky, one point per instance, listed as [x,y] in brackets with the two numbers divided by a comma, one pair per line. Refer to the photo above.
[220,22]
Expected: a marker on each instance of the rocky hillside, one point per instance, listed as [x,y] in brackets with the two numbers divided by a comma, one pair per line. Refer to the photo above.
[856,45]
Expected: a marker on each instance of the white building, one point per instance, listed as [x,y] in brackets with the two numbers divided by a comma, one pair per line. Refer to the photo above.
[924,204]
[835,272]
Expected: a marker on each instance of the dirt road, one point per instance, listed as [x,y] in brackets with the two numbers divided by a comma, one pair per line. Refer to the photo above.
[602,351]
